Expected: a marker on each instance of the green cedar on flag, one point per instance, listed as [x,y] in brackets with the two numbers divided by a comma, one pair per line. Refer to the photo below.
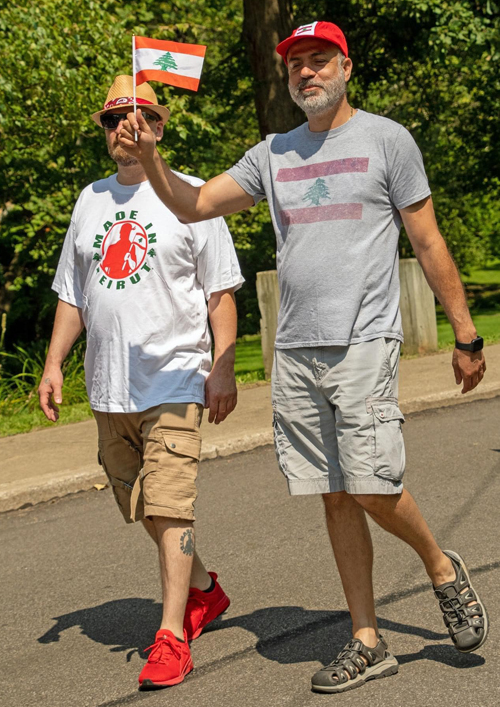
[166,62]
[318,191]
[174,63]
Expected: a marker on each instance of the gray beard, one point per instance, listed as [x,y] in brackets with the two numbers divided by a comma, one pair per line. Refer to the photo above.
[331,94]
[119,156]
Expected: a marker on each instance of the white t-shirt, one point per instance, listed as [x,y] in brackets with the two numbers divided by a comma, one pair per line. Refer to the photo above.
[141,279]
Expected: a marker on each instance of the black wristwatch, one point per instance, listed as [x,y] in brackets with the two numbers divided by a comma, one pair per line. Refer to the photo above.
[475,345]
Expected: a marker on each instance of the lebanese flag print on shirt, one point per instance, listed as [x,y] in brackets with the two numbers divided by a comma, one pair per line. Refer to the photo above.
[175,63]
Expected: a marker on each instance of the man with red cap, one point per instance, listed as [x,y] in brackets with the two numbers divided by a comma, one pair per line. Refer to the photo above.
[339,187]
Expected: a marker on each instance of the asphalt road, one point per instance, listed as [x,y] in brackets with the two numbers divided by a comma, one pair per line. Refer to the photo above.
[80,589]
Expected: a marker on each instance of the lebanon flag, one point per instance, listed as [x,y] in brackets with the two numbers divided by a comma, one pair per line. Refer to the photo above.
[174,63]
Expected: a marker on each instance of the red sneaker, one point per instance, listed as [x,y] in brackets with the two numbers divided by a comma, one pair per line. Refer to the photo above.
[204,607]
[168,663]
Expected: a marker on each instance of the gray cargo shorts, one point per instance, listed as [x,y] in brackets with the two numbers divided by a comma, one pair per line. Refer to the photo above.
[337,423]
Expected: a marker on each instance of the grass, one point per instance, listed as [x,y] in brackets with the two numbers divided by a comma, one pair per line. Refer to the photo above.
[489,275]
[249,366]
[28,420]
[483,296]
[487,325]
[21,371]
[20,374]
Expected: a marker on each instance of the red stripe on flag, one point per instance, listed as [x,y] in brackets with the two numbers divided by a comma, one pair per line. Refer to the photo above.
[323,169]
[166,77]
[167,46]
[315,214]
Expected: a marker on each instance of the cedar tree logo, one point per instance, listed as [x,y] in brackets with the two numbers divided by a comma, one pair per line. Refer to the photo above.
[166,62]
[124,249]
[318,191]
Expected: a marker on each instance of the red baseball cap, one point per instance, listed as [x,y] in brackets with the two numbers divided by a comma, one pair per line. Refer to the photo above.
[321,30]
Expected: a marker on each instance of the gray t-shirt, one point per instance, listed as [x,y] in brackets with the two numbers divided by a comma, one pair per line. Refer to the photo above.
[334,198]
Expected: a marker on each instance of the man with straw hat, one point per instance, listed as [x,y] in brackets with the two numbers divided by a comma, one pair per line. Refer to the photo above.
[338,188]
[139,281]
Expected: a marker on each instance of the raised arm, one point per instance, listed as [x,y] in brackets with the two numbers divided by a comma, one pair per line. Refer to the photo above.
[218,197]
[68,326]
[442,275]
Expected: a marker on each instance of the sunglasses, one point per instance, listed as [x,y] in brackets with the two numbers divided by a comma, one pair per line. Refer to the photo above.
[110,121]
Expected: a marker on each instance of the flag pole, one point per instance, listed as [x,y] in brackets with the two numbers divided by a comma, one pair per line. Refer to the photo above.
[133,81]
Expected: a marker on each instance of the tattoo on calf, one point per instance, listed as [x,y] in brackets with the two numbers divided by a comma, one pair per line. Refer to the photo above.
[187,542]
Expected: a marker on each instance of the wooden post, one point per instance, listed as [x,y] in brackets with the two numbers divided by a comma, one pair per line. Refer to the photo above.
[418,309]
[268,294]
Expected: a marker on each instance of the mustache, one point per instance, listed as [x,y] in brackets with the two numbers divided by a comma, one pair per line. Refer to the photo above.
[307,83]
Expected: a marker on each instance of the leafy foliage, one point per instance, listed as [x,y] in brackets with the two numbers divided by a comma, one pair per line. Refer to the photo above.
[58,61]
[429,64]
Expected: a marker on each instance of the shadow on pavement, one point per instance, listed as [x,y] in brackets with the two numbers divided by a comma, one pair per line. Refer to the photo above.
[124,624]
[285,634]
[444,654]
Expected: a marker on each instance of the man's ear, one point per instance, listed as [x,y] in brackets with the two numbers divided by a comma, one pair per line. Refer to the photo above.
[159,130]
[347,67]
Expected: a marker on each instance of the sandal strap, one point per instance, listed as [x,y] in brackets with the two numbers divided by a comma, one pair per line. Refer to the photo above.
[349,659]
[456,614]
[466,624]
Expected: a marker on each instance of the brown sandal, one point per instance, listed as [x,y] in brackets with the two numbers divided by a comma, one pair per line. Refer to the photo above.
[349,670]
[468,626]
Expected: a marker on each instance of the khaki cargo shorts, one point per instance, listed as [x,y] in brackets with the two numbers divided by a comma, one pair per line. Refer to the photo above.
[337,422]
[151,459]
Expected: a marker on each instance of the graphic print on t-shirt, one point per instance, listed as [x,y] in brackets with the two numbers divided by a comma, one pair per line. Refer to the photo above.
[123,252]
[318,191]
[124,249]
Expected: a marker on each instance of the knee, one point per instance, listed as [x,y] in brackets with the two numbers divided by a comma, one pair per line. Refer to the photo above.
[335,500]
[376,503]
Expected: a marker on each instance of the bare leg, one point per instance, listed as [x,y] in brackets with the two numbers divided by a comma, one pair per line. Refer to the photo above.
[176,550]
[150,528]
[199,575]
[399,515]
[353,550]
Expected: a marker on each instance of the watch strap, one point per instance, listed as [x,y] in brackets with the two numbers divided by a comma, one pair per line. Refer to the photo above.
[475,345]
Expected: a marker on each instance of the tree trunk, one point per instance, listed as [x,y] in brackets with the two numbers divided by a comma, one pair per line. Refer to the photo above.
[266,23]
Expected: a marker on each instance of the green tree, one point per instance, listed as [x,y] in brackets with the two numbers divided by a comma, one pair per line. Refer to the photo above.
[316,192]
[54,75]
[431,65]
[166,62]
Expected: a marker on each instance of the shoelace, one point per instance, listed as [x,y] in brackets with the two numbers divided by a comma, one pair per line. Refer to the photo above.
[449,605]
[161,650]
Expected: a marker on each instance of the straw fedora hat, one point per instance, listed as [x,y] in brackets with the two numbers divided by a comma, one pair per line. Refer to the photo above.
[121,94]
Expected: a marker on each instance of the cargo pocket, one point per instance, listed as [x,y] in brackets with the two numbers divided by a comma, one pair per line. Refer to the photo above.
[388,444]
[169,474]
[182,444]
